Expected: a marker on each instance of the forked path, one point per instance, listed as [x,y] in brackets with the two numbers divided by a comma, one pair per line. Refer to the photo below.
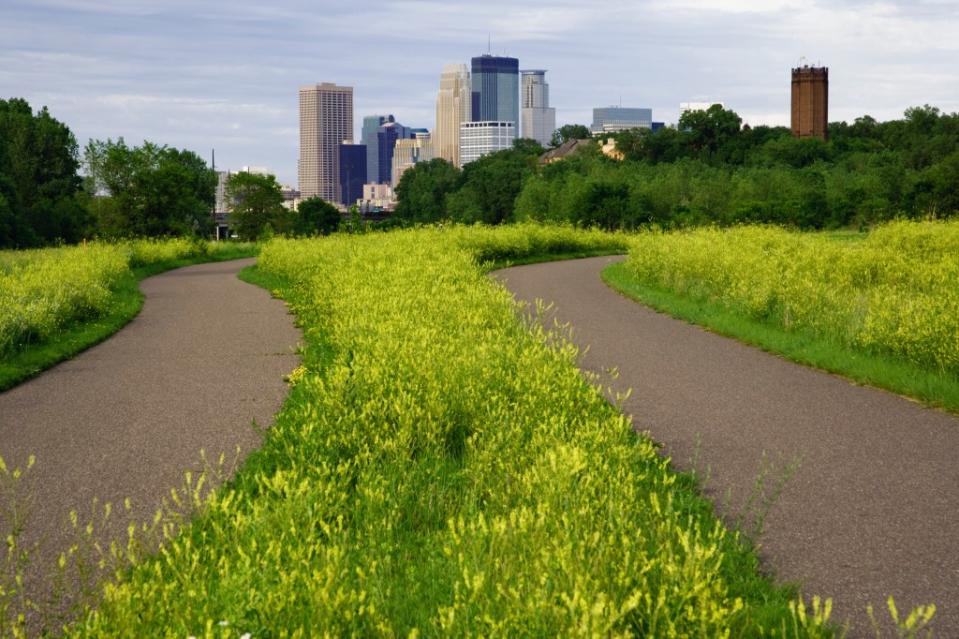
[204,359]
[873,508]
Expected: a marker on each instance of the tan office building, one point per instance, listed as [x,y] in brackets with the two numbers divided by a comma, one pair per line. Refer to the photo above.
[453,107]
[537,116]
[326,121]
[810,102]
[406,153]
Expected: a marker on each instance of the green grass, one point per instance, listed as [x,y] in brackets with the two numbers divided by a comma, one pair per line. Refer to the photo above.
[935,389]
[125,304]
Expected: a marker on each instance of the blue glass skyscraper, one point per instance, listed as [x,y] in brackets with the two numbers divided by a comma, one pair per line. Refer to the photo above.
[495,82]
[371,125]
[352,172]
[386,136]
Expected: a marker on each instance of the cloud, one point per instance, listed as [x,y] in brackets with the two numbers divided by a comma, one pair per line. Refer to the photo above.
[218,73]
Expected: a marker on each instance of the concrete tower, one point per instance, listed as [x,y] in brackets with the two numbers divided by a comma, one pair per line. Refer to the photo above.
[538,118]
[453,107]
[810,102]
[326,121]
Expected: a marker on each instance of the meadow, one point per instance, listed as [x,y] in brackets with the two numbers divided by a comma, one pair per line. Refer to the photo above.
[441,467]
[58,301]
[882,307]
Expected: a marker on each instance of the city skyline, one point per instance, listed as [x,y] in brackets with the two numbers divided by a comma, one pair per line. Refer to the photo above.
[204,75]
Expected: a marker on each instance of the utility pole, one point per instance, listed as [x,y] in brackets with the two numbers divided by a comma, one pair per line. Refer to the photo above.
[216,227]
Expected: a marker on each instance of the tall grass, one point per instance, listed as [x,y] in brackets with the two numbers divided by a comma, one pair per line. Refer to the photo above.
[442,468]
[44,291]
[894,293]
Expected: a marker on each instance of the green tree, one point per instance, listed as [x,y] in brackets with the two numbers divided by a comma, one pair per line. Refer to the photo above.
[316,216]
[39,185]
[569,132]
[153,190]
[710,130]
[423,190]
[257,205]
[491,184]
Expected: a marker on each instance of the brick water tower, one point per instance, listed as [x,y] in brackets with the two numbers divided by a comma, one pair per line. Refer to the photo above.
[810,102]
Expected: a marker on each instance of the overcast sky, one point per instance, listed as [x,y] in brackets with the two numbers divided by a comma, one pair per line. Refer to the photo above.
[215,74]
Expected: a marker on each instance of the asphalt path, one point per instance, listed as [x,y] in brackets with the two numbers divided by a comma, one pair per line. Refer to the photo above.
[200,364]
[871,507]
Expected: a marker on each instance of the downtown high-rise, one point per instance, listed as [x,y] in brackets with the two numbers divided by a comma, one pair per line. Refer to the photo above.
[371,127]
[538,118]
[495,85]
[453,107]
[326,121]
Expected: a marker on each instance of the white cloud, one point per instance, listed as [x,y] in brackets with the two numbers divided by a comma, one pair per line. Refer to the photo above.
[204,73]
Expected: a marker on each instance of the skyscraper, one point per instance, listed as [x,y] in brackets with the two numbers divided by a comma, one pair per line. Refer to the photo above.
[810,102]
[453,107]
[386,136]
[539,119]
[372,124]
[352,172]
[495,83]
[326,120]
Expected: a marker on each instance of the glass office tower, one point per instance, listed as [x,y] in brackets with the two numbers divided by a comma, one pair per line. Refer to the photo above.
[495,83]
[386,137]
[371,126]
[617,118]
[352,172]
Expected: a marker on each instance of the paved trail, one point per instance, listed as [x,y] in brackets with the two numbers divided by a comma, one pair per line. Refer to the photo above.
[204,358]
[873,508]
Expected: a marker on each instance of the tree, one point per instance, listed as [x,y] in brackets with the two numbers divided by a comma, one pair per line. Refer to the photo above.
[316,216]
[423,190]
[153,190]
[569,132]
[710,130]
[257,205]
[491,184]
[39,185]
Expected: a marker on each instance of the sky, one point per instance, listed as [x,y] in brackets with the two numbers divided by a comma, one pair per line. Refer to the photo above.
[215,74]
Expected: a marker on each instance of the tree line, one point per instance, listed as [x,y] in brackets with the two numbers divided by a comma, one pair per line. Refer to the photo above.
[149,190]
[708,170]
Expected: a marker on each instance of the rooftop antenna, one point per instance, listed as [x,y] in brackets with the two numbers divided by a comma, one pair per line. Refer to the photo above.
[489,44]
[803,61]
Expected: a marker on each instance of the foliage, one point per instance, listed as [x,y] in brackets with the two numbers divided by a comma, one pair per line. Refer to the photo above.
[490,184]
[316,216]
[569,132]
[711,130]
[892,293]
[150,190]
[257,205]
[443,469]
[40,198]
[423,190]
[711,171]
